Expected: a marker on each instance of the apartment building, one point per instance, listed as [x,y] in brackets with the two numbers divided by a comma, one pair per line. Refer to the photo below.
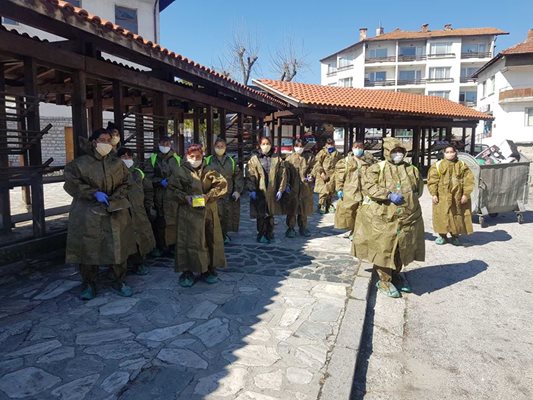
[431,62]
[505,90]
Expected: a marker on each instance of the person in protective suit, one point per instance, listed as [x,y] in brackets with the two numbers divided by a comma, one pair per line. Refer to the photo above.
[300,203]
[389,230]
[99,220]
[266,181]
[200,244]
[324,174]
[160,168]
[141,198]
[115,136]
[450,183]
[349,174]
[229,206]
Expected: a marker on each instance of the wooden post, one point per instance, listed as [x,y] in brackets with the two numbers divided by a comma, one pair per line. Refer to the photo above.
[79,110]
[181,136]
[196,125]
[222,118]
[346,139]
[139,134]
[473,139]
[280,133]
[255,130]
[35,156]
[97,109]
[423,148]
[415,158]
[209,130]
[441,133]
[260,129]
[118,107]
[430,138]
[240,142]
[5,205]
[294,133]
[23,158]
[449,134]
[351,136]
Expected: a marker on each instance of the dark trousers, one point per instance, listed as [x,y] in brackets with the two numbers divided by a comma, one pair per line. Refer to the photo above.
[265,226]
[89,273]
[387,274]
[158,227]
[301,219]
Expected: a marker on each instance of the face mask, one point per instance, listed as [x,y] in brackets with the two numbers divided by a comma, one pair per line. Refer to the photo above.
[358,152]
[397,157]
[298,150]
[115,140]
[220,151]
[331,149]
[450,156]
[129,163]
[103,148]
[265,148]
[164,149]
[194,163]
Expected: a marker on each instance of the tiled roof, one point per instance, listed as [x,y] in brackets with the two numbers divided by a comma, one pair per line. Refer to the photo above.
[307,95]
[526,47]
[68,9]
[399,34]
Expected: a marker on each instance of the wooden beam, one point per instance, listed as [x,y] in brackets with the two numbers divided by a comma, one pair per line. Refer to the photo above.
[209,130]
[255,130]
[240,134]
[181,135]
[196,125]
[222,119]
[5,203]
[280,134]
[346,145]
[294,132]
[118,106]
[97,108]
[79,110]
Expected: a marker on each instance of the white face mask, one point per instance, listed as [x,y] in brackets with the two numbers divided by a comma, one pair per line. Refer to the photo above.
[103,148]
[194,163]
[358,152]
[450,156]
[265,148]
[298,150]
[220,151]
[397,157]
[129,163]
[164,149]
[115,140]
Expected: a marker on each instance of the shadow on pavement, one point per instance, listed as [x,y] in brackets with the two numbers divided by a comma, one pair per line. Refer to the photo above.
[480,238]
[433,278]
[504,218]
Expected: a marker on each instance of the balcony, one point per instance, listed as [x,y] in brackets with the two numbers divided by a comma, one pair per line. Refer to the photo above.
[467,79]
[332,73]
[411,81]
[384,82]
[421,57]
[486,54]
[370,60]
[344,67]
[439,80]
[468,103]
[516,95]
[441,55]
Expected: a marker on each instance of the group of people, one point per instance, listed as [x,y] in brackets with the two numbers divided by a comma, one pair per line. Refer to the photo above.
[187,207]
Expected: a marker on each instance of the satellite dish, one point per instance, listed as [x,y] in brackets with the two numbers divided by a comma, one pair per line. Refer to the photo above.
[472,163]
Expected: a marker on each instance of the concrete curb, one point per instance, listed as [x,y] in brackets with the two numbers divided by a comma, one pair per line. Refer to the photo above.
[343,358]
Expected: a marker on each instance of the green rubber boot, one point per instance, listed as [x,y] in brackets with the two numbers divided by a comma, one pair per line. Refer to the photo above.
[305,232]
[440,241]
[141,270]
[209,278]
[388,289]
[122,289]
[291,233]
[263,240]
[186,279]
[401,282]
[455,241]
[88,293]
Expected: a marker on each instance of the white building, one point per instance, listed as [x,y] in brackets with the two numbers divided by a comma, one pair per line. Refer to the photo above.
[505,90]
[439,63]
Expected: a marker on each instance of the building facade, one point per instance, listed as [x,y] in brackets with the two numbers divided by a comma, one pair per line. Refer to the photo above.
[505,90]
[439,63]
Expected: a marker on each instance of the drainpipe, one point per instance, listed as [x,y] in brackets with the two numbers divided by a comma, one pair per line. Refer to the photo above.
[156,9]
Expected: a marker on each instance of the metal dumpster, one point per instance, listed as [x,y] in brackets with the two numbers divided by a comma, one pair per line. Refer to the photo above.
[499,188]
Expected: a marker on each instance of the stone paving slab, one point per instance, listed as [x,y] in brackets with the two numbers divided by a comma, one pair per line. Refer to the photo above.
[266,330]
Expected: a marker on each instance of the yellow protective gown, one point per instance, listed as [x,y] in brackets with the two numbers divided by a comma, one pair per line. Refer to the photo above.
[325,162]
[382,227]
[449,181]
[300,199]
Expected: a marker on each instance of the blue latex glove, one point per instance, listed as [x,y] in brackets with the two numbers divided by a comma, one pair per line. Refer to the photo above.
[396,198]
[101,197]
[253,196]
[278,196]
[164,182]
[288,189]
[340,194]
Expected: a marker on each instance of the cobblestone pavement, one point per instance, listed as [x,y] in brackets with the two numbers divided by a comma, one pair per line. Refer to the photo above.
[465,332]
[265,331]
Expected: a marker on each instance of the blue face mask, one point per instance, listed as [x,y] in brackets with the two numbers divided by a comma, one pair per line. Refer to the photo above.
[331,150]
[358,152]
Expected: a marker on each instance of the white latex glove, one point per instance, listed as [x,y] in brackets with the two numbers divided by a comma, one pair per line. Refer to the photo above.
[236,196]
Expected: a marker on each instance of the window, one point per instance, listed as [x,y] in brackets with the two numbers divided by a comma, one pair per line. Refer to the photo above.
[490,86]
[440,93]
[411,75]
[529,116]
[439,73]
[346,82]
[377,53]
[440,49]
[474,48]
[332,68]
[468,98]
[411,51]
[484,89]
[126,18]
[377,76]
[467,72]
[345,61]
[9,21]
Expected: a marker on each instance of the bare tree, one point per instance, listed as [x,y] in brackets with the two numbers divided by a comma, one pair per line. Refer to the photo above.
[288,60]
[242,54]
[223,68]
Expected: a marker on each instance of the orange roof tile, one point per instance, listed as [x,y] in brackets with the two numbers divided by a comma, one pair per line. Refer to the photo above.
[307,95]
[399,34]
[526,47]
[66,8]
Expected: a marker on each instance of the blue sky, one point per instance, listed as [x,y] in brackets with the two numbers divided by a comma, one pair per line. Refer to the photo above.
[202,30]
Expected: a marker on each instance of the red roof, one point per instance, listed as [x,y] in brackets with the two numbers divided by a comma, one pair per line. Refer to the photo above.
[99,23]
[307,95]
[526,47]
